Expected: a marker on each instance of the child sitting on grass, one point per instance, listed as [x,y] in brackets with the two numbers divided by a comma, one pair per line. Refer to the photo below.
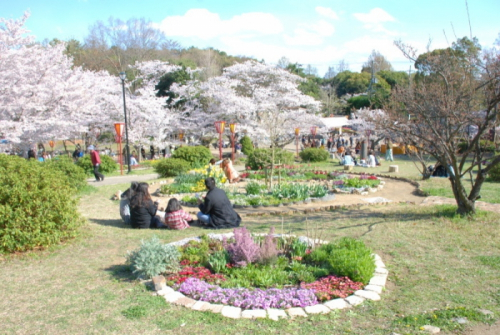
[175,216]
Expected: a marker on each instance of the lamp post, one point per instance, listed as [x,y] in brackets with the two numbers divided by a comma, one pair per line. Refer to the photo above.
[51,143]
[122,77]
[219,127]
[297,132]
[232,129]
[119,134]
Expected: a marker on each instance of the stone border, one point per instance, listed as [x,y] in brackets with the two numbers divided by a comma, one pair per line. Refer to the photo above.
[371,291]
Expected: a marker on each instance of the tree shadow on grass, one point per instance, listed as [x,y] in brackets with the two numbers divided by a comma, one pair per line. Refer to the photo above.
[350,218]
[121,272]
[118,223]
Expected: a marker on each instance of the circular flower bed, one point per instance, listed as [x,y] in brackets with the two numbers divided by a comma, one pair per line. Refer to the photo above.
[263,271]
[293,186]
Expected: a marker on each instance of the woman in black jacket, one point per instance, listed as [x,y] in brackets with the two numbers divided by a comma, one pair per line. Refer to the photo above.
[143,210]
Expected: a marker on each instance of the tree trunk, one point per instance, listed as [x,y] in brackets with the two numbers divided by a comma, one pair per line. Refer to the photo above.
[464,204]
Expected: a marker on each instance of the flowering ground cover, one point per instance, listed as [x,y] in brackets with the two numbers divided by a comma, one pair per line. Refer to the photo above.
[271,271]
[295,184]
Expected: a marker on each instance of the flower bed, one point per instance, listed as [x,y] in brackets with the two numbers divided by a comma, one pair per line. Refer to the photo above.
[295,186]
[259,272]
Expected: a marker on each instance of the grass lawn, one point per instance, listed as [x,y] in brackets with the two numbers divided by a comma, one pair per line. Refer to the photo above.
[436,261]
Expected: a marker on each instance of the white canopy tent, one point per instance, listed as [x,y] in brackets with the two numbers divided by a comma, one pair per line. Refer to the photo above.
[336,122]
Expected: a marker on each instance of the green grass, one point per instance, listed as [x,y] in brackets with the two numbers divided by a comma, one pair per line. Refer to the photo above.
[437,261]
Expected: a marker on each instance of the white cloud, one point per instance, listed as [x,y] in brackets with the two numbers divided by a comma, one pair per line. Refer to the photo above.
[376,15]
[374,21]
[310,34]
[327,12]
[202,23]
[303,37]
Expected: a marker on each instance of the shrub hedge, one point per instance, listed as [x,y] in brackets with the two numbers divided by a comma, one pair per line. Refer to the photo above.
[246,145]
[261,158]
[171,167]
[196,156]
[38,206]
[494,173]
[314,155]
[74,174]
[107,164]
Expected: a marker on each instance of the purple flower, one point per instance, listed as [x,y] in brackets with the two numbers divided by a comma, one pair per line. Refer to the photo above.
[249,298]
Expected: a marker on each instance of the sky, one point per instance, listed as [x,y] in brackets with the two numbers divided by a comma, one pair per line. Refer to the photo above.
[320,33]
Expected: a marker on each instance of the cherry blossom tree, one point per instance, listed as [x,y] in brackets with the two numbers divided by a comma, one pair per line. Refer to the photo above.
[43,96]
[263,100]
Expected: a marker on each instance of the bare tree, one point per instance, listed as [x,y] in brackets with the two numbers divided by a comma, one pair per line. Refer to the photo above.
[378,62]
[435,114]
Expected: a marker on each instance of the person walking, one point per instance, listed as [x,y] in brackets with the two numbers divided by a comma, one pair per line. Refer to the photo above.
[96,162]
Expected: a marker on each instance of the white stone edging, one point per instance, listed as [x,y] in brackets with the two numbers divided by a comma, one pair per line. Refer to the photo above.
[371,291]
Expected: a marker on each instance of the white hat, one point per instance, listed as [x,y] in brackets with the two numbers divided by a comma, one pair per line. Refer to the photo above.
[91,147]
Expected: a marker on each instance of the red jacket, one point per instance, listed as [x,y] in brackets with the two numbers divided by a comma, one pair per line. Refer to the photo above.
[94,157]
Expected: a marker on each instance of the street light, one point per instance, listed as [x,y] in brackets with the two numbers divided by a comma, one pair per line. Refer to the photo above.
[297,132]
[122,77]
[119,134]
[219,127]
[232,129]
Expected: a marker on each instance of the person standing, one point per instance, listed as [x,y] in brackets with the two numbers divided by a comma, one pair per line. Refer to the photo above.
[96,162]
[388,150]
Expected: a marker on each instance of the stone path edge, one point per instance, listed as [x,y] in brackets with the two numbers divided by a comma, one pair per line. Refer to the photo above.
[371,291]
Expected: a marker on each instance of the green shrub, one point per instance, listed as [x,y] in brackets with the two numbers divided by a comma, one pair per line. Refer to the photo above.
[347,257]
[196,156]
[246,145]
[153,258]
[171,167]
[485,145]
[494,173]
[74,174]
[252,188]
[260,158]
[107,164]
[314,155]
[38,207]
[358,102]
[196,252]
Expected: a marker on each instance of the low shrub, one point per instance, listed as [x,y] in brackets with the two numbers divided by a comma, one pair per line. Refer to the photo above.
[171,167]
[38,207]
[153,258]
[253,188]
[314,155]
[246,145]
[494,173]
[347,257]
[107,164]
[74,174]
[196,156]
[260,158]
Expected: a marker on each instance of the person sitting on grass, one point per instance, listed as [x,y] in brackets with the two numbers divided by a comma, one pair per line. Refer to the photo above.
[176,217]
[348,159]
[216,210]
[125,202]
[143,210]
